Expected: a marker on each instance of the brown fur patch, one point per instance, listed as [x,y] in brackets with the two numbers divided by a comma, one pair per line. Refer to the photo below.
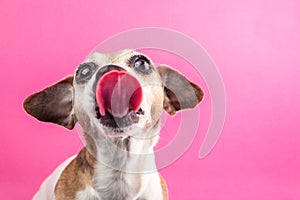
[76,176]
[164,188]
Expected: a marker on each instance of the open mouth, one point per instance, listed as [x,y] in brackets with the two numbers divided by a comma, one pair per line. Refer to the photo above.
[119,124]
[118,99]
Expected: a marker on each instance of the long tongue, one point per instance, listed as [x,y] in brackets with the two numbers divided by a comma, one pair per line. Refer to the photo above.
[117,92]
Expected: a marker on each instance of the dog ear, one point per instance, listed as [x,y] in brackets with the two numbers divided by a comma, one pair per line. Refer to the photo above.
[180,93]
[53,104]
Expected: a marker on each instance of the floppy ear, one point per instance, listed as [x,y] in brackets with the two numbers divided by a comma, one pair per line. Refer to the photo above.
[53,104]
[180,93]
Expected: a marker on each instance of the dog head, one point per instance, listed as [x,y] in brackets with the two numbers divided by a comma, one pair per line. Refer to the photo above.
[115,95]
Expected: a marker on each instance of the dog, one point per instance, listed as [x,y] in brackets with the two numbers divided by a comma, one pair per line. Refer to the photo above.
[118,100]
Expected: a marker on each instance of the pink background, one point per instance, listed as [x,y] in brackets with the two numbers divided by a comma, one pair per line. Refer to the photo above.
[255,44]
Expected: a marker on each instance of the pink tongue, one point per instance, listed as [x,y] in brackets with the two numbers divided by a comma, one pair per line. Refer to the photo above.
[117,92]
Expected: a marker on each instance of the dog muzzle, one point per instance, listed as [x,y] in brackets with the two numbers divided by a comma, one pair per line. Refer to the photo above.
[118,92]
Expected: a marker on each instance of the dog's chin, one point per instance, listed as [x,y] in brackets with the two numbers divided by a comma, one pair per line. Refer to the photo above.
[117,127]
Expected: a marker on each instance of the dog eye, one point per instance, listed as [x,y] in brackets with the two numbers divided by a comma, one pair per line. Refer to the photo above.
[142,66]
[84,72]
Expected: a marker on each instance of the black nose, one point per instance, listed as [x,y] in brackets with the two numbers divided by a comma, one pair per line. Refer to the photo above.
[104,70]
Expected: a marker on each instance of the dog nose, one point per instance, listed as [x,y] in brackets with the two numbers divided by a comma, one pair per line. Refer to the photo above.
[112,67]
[106,69]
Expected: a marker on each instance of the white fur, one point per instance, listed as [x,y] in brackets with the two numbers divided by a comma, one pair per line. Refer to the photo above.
[88,193]
[138,173]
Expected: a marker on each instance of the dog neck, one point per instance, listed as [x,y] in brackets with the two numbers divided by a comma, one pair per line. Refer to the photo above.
[121,165]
